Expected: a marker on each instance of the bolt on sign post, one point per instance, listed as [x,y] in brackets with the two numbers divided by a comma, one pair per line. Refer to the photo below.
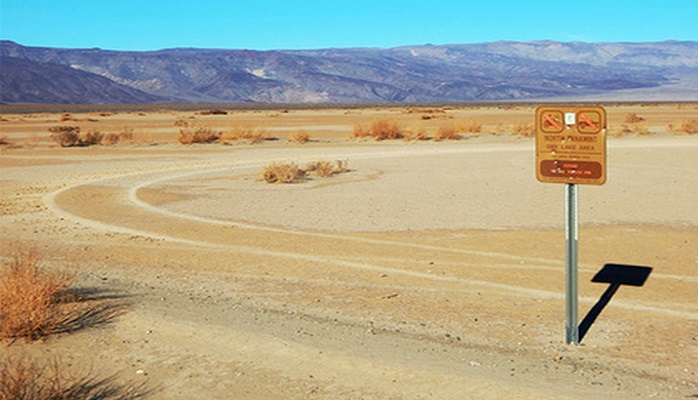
[571,149]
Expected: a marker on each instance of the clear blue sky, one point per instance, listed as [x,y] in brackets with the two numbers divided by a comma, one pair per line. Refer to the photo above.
[312,24]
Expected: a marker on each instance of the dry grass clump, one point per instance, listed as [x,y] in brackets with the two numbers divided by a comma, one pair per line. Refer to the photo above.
[114,138]
[524,129]
[325,169]
[31,300]
[69,136]
[26,379]
[379,129]
[4,140]
[213,112]
[299,137]
[197,135]
[282,172]
[65,136]
[633,118]
[689,126]
[92,138]
[624,130]
[447,132]
[249,134]
[287,172]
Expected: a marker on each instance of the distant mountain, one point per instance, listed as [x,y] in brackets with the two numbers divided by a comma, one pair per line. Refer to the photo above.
[24,81]
[473,72]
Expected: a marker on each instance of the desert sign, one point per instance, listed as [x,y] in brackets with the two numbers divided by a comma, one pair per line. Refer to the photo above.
[571,144]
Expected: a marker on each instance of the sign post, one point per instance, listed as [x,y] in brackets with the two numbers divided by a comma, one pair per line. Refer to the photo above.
[571,149]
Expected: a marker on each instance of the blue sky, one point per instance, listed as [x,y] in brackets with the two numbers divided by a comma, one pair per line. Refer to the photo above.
[310,24]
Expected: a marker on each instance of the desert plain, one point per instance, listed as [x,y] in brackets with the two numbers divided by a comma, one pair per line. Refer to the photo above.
[427,269]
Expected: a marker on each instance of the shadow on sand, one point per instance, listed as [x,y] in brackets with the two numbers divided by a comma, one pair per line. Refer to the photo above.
[616,275]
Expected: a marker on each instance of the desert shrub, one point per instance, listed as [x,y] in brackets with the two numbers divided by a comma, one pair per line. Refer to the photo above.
[447,132]
[4,140]
[689,126]
[30,299]
[322,169]
[523,130]
[65,136]
[66,118]
[282,172]
[114,138]
[182,123]
[379,129]
[641,129]
[250,134]
[197,135]
[27,379]
[299,137]
[633,118]
[213,112]
[92,138]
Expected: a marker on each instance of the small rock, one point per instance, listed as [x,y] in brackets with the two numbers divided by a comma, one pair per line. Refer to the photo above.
[474,364]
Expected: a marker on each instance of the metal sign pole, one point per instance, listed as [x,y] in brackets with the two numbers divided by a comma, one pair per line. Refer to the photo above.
[571,238]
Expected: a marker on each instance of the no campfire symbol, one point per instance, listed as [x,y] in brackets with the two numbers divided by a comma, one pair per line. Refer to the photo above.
[571,144]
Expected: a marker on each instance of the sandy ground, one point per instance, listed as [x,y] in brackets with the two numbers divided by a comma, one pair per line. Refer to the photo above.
[430,270]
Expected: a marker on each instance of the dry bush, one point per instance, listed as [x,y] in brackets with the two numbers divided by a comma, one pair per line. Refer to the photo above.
[92,138]
[114,138]
[26,379]
[689,126]
[633,118]
[66,118]
[282,172]
[641,130]
[524,130]
[31,300]
[197,135]
[182,123]
[412,110]
[4,140]
[322,169]
[213,112]
[35,303]
[379,129]
[447,132]
[420,133]
[250,134]
[621,131]
[65,136]
[299,137]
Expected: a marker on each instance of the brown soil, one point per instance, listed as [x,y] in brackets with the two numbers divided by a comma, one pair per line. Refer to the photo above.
[430,270]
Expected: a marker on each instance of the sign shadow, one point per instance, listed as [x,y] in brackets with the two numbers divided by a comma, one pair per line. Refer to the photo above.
[616,275]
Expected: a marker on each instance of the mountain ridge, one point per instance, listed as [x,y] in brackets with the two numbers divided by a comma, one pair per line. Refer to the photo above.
[494,71]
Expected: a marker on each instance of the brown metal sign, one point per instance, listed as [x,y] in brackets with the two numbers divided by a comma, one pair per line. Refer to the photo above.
[571,144]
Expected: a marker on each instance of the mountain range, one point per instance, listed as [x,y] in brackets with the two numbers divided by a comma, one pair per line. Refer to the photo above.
[496,71]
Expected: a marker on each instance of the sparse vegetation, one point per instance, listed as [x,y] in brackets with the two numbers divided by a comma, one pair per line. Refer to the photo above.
[246,133]
[35,303]
[282,172]
[689,126]
[197,135]
[524,130]
[379,129]
[65,136]
[26,379]
[31,301]
[286,172]
[212,112]
[632,118]
[92,138]
[114,138]
[299,137]
[447,132]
